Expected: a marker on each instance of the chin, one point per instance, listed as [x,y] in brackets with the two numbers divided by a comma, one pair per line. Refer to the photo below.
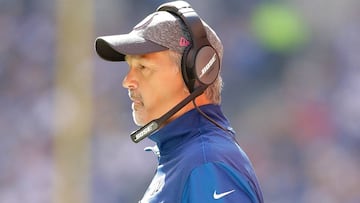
[138,120]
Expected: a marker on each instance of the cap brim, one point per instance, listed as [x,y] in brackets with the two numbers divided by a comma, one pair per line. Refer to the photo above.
[115,47]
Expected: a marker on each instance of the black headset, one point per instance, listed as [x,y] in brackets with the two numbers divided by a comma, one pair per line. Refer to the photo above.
[200,63]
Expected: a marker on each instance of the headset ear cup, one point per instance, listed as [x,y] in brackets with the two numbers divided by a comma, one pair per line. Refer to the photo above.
[207,65]
[200,68]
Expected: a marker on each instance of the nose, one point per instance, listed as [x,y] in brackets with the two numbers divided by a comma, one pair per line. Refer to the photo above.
[130,81]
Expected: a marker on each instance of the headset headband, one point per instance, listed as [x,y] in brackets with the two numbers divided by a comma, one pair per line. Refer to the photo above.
[200,62]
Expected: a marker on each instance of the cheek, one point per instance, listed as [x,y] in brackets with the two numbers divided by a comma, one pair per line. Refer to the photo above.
[166,94]
[159,96]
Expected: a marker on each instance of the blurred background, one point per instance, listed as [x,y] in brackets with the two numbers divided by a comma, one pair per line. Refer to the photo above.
[292,92]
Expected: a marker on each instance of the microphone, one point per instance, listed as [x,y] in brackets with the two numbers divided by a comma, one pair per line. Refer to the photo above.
[155,124]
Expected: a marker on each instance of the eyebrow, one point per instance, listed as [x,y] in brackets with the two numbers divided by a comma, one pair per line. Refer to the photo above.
[140,59]
[129,58]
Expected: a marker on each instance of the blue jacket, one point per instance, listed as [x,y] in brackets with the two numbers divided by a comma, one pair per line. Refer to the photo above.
[201,163]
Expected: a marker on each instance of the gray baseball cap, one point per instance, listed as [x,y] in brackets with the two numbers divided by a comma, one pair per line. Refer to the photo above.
[159,31]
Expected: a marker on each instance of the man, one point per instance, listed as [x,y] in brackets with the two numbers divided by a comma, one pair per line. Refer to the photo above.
[173,80]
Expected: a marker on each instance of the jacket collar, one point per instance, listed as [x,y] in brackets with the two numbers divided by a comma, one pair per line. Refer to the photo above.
[186,126]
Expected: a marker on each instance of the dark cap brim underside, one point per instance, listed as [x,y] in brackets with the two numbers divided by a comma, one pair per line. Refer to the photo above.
[115,47]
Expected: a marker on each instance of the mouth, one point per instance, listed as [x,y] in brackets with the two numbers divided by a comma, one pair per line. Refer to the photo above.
[136,101]
[136,105]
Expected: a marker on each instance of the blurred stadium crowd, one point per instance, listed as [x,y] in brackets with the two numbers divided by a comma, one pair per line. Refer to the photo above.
[292,92]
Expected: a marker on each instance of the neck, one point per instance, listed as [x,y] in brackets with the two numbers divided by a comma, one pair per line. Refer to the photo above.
[200,100]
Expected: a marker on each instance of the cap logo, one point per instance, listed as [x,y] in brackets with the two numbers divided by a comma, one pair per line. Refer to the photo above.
[183,42]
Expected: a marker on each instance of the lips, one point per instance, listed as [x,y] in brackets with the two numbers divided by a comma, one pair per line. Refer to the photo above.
[136,99]
[136,106]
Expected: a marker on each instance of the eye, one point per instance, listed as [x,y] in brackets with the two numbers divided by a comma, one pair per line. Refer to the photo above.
[141,67]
